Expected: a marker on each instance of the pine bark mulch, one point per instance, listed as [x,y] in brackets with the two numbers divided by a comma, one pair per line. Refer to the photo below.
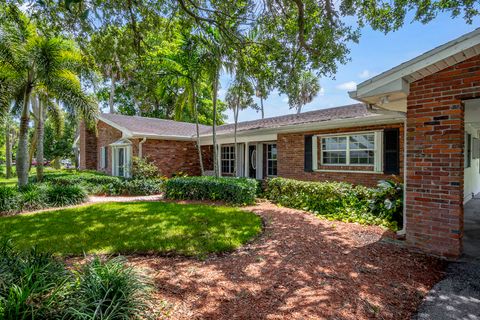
[301,267]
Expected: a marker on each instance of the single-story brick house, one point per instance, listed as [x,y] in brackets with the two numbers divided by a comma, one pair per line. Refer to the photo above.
[419,121]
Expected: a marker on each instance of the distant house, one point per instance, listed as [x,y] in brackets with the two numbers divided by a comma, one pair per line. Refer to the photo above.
[418,121]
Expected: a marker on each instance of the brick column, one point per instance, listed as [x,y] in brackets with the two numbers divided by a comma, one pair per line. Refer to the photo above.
[88,148]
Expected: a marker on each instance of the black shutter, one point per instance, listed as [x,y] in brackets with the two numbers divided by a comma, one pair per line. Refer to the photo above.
[391,151]
[308,154]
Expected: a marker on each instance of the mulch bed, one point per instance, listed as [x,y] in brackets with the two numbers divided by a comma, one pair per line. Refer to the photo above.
[302,267]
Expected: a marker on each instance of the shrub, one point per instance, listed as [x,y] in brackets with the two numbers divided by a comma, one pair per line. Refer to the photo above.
[33,285]
[9,199]
[231,190]
[110,290]
[36,285]
[143,168]
[136,187]
[33,197]
[65,195]
[333,200]
[387,201]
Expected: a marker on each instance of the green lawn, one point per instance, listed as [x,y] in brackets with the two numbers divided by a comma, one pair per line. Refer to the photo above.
[142,227]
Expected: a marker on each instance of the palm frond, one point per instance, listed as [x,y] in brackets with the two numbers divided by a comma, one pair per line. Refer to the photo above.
[67,89]
[56,117]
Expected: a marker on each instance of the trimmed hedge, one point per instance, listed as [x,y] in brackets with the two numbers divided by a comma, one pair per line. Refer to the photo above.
[336,201]
[98,184]
[231,190]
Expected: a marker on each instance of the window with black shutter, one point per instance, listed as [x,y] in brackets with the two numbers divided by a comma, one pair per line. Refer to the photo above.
[308,154]
[391,151]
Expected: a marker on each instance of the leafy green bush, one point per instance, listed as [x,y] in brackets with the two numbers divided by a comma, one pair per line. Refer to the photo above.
[36,285]
[232,190]
[33,285]
[387,201]
[65,195]
[143,168]
[333,200]
[137,187]
[9,200]
[110,289]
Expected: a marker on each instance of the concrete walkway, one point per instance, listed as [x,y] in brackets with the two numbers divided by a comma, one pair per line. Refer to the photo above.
[457,297]
[103,199]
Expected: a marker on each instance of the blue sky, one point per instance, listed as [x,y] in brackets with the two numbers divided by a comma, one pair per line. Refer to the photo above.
[375,53]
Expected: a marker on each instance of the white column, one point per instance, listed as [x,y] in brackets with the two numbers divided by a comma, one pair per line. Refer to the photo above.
[246,161]
[259,160]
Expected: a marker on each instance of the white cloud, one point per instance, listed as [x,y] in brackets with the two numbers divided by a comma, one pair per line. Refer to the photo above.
[321,92]
[285,99]
[348,86]
[365,74]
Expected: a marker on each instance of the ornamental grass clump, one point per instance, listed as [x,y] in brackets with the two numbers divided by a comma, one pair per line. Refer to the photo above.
[37,285]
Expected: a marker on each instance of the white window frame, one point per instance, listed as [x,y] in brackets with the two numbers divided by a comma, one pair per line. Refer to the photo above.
[230,160]
[269,159]
[377,166]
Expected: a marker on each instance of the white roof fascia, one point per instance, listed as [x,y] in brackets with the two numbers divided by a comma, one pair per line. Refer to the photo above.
[429,58]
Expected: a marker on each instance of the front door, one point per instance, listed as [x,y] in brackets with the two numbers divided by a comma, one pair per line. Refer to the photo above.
[121,162]
[252,160]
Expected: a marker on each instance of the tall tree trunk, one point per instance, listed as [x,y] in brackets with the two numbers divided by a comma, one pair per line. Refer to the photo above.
[40,132]
[261,107]
[214,127]
[299,109]
[235,115]
[195,111]
[112,90]
[22,150]
[8,151]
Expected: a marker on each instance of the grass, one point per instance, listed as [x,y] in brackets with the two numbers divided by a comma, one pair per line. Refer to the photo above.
[126,228]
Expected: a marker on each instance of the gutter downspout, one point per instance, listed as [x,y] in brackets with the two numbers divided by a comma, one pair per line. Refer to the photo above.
[140,147]
[403,231]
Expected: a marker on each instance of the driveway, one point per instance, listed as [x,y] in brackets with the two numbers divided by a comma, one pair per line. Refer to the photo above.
[457,296]
[301,267]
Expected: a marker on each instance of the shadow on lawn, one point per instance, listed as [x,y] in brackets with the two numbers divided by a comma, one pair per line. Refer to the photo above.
[127,228]
[301,268]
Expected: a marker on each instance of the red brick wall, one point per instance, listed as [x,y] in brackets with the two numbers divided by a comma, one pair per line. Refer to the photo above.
[88,147]
[435,146]
[291,158]
[170,156]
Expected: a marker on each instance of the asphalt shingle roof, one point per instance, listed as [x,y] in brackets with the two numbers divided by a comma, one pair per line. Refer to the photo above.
[151,126]
[344,112]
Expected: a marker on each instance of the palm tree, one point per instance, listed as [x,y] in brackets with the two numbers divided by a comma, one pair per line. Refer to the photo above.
[40,61]
[239,97]
[185,68]
[44,107]
[303,90]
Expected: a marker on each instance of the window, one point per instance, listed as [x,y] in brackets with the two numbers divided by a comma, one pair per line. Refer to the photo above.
[358,149]
[272,159]
[228,159]
[468,155]
[104,157]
